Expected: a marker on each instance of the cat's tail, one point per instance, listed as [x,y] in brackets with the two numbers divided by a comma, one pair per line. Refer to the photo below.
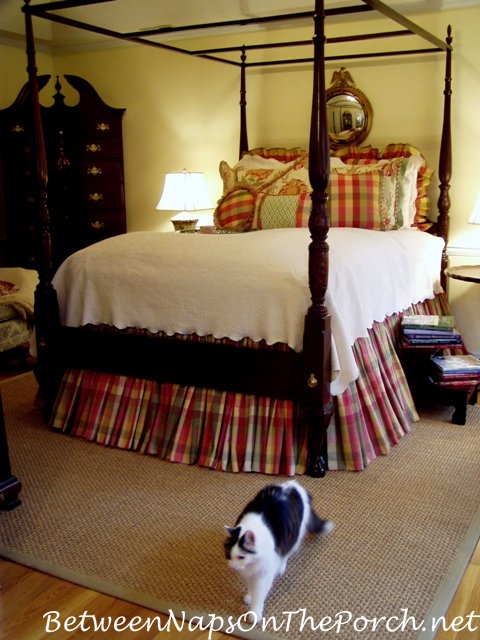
[318,525]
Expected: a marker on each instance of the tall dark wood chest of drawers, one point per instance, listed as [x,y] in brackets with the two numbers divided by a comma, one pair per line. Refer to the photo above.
[86,198]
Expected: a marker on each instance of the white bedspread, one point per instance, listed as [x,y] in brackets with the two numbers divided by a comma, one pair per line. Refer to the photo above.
[248,284]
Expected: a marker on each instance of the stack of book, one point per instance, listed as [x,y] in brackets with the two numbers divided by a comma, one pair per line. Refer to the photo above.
[456,370]
[427,330]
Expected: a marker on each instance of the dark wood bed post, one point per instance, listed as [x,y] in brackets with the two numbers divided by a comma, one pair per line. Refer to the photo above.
[243,107]
[317,334]
[46,305]
[445,162]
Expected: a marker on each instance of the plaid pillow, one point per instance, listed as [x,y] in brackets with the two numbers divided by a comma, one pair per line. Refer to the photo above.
[278,153]
[235,210]
[367,197]
[351,155]
[354,201]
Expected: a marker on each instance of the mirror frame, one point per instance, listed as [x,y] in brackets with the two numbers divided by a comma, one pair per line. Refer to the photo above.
[342,84]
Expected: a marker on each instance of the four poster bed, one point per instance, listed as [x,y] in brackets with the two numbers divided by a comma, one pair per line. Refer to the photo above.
[288,375]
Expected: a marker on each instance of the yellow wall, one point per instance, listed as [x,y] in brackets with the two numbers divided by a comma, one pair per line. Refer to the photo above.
[183,113]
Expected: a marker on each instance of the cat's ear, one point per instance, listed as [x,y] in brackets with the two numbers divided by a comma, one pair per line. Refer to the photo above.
[249,540]
[231,530]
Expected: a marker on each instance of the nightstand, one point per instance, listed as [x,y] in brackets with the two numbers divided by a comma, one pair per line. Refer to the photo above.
[419,370]
[468,273]
[468,394]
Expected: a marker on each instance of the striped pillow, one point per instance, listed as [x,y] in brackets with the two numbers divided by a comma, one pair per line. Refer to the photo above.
[235,210]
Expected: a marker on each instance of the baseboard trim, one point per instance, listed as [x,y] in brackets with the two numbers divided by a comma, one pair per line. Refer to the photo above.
[466,252]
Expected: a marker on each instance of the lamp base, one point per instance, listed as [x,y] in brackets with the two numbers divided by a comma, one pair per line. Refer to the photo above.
[185,225]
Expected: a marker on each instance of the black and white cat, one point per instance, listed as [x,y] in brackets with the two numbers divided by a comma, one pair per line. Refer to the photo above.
[267,532]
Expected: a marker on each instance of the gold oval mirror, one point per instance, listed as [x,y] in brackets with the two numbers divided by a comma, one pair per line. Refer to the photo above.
[349,112]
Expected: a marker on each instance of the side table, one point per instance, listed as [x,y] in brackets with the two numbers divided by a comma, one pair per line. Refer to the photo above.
[467,392]
[9,485]
[468,273]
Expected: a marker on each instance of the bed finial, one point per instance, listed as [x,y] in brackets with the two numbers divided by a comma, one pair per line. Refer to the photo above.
[445,162]
[243,105]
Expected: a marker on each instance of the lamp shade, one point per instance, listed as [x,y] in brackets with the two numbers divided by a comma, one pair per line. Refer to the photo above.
[184,191]
[475,215]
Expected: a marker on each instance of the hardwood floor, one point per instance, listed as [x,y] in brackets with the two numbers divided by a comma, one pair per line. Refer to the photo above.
[466,600]
[27,595]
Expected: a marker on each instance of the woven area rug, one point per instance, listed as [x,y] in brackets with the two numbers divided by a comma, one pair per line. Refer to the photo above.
[151,531]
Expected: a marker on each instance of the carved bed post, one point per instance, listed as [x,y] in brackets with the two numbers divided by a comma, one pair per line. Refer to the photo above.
[46,305]
[243,107]
[317,335]
[445,162]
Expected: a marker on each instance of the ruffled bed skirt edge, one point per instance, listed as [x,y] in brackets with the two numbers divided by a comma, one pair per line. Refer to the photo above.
[244,433]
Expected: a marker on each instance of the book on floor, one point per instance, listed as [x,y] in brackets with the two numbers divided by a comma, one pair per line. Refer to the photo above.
[426,337]
[462,365]
[431,322]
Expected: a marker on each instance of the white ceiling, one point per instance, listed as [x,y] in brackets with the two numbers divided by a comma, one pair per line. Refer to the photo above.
[118,15]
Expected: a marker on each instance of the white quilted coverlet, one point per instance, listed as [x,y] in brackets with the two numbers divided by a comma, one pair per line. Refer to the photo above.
[248,284]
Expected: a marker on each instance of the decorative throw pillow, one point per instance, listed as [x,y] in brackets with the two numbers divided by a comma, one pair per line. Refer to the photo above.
[354,155]
[281,211]
[228,176]
[424,176]
[7,287]
[250,161]
[365,196]
[7,313]
[235,210]
[363,192]
[278,153]
[355,198]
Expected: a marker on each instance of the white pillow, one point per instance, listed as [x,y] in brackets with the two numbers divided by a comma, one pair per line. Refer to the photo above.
[258,162]
[410,189]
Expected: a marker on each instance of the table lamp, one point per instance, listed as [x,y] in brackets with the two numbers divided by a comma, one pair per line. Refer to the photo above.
[475,215]
[185,192]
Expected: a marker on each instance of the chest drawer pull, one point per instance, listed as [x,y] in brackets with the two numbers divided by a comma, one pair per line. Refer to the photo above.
[103,126]
[98,224]
[95,197]
[94,171]
[93,147]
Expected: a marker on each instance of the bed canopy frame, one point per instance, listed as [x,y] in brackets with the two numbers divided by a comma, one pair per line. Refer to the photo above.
[303,377]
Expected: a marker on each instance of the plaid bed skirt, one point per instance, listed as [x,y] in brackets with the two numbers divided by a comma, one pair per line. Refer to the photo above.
[243,433]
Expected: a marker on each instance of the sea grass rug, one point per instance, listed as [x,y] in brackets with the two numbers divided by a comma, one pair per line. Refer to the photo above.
[152,531]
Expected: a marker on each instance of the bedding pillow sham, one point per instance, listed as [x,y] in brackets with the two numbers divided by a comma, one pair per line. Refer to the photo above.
[367,196]
[392,191]
[424,177]
[7,287]
[421,207]
[276,153]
